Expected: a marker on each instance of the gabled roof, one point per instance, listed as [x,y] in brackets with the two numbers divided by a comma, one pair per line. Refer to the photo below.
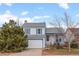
[34,24]
[75,31]
[54,30]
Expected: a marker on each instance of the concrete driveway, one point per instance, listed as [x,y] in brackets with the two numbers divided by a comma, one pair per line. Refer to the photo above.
[29,52]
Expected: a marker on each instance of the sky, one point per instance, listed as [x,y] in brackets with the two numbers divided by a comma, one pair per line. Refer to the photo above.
[37,12]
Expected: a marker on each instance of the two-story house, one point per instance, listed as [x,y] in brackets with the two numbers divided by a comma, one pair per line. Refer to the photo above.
[40,37]
[36,34]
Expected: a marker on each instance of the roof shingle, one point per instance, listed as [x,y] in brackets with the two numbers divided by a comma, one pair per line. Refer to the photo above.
[75,31]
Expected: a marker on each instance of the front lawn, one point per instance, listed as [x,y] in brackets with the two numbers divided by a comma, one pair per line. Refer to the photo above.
[60,52]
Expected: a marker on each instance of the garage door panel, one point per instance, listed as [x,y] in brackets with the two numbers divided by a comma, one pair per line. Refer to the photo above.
[34,43]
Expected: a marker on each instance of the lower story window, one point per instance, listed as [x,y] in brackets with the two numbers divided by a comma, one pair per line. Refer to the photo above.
[56,40]
[60,40]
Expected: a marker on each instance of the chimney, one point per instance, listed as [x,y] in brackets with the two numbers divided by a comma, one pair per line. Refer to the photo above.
[25,21]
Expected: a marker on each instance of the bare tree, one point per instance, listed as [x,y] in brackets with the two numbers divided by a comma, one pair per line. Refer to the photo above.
[57,23]
[67,23]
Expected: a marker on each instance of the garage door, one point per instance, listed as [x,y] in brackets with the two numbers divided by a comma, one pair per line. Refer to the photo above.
[34,43]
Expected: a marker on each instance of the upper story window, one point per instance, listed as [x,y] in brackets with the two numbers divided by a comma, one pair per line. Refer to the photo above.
[39,31]
[27,31]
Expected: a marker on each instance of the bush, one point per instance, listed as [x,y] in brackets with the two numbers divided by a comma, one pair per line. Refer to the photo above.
[55,46]
[12,37]
[74,45]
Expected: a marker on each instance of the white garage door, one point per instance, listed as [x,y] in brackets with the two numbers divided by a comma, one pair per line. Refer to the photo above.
[34,43]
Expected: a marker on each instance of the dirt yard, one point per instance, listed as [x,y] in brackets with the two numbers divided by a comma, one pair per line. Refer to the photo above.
[49,52]
[43,52]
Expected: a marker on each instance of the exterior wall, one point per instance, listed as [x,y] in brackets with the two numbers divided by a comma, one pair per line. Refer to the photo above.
[52,40]
[34,35]
[69,36]
[62,40]
[43,31]
[32,31]
[36,40]
[44,42]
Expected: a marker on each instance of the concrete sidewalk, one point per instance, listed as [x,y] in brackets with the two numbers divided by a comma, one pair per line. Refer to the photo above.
[29,52]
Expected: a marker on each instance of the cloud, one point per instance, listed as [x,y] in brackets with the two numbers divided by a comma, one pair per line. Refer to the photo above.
[24,13]
[36,17]
[8,4]
[7,15]
[7,12]
[21,20]
[41,17]
[40,8]
[77,15]
[64,5]
[49,26]
[0,4]
[46,16]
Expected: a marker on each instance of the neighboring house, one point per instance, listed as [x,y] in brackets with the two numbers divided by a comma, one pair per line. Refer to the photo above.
[73,34]
[55,36]
[39,36]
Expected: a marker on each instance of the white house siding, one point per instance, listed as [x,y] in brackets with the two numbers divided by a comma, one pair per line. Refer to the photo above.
[43,31]
[62,40]
[52,39]
[33,31]
[44,42]
[36,43]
